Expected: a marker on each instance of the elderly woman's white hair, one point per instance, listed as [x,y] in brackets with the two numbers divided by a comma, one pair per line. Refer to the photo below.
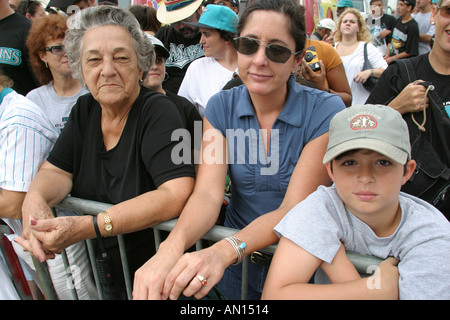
[97,16]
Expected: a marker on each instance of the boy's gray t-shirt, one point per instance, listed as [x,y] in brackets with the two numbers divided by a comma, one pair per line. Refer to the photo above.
[421,243]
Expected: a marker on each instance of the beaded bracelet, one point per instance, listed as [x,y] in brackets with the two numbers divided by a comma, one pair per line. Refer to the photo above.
[238,246]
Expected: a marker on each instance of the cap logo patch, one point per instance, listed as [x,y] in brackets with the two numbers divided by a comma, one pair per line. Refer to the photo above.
[363,122]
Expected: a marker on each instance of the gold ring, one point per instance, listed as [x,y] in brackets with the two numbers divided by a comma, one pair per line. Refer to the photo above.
[202,280]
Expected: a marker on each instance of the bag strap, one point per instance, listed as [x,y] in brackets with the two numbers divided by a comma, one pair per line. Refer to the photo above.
[365,52]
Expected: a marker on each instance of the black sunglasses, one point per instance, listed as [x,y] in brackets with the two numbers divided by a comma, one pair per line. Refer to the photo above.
[274,52]
[57,50]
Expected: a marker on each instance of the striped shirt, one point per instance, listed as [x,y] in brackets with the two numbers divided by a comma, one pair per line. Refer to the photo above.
[26,138]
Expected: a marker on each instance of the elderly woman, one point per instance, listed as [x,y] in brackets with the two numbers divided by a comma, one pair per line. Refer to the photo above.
[59,90]
[288,128]
[116,147]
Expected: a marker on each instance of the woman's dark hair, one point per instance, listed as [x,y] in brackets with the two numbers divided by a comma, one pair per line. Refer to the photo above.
[28,6]
[290,8]
[146,16]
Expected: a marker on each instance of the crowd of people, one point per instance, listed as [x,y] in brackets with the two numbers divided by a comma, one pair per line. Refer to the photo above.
[310,130]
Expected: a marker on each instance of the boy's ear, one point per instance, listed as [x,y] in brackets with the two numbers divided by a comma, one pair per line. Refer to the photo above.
[410,167]
[330,170]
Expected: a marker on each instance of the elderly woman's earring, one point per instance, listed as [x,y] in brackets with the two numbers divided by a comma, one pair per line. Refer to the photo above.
[166,76]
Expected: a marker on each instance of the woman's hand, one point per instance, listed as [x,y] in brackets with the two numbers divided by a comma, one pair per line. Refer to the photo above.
[317,78]
[150,278]
[50,236]
[363,76]
[32,211]
[208,264]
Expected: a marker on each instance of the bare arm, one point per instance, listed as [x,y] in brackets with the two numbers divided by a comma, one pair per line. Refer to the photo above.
[334,78]
[198,216]
[308,174]
[135,214]
[292,267]
[11,204]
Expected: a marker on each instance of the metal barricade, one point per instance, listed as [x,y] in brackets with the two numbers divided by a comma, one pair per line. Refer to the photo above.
[217,233]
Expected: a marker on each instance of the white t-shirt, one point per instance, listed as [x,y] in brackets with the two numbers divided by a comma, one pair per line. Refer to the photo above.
[353,65]
[425,27]
[421,243]
[56,108]
[204,78]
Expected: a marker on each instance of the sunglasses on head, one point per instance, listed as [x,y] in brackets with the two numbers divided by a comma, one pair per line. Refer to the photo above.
[274,52]
[444,11]
[57,50]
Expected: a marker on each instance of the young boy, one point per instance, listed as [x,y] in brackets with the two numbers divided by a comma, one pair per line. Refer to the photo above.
[368,158]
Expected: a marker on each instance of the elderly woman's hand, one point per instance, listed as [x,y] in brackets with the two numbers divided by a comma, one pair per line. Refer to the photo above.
[32,211]
[50,236]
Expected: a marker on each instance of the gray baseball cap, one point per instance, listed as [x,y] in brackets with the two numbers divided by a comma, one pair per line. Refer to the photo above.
[373,127]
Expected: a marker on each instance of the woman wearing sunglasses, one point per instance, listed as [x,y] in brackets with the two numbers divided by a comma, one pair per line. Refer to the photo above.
[287,126]
[433,67]
[59,90]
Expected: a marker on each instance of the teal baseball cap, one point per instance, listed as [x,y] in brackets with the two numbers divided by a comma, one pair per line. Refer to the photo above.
[344,4]
[217,17]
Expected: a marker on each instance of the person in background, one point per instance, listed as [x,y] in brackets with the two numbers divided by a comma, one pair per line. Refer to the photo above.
[433,67]
[232,4]
[115,148]
[207,76]
[369,159]
[286,121]
[350,41]
[182,40]
[323,29]
[380,25]
[59,91]
[32,10]
[27,136]
[328,77]
[343,5]
[67,7]
[189,113]
[426,29]
[405,35]
[146,16]
[14,61]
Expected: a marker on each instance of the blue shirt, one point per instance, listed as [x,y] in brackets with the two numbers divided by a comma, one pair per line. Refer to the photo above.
[259,184]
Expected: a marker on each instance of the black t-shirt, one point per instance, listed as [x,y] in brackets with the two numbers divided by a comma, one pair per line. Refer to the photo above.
[383,93]
[140,162]
[405,37]
[182,52]
[14,60]
[386,22]
[190,117]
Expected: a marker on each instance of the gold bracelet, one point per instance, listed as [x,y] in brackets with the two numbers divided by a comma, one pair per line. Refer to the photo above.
[107,226]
